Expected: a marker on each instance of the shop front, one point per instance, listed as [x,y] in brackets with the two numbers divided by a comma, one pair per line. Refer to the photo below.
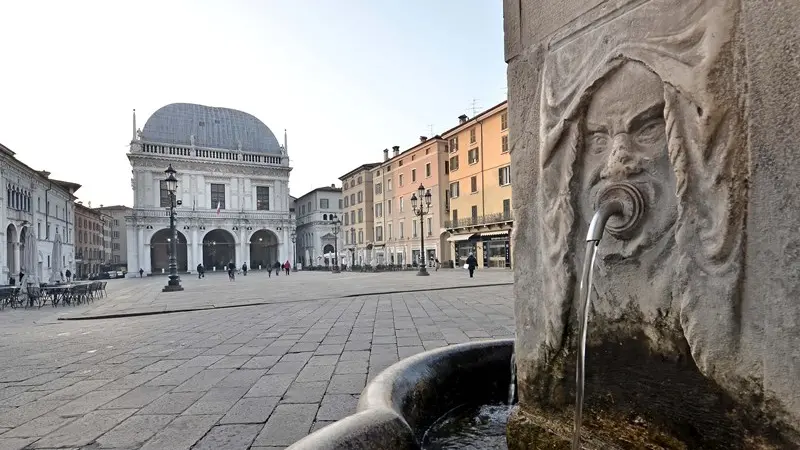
[496,249]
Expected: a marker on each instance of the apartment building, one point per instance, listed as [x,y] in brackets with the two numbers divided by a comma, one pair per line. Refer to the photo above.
[358,215]
[398,230]
[118,251]
[479,171]
[316,241]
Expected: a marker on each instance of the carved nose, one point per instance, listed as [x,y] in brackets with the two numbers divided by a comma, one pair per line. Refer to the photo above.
[621,162]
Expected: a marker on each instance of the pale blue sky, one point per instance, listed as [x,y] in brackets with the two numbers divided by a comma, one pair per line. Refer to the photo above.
[347,78]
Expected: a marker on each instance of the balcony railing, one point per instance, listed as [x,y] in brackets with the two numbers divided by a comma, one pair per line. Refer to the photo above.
[216,154]
[210,214]
[487,219]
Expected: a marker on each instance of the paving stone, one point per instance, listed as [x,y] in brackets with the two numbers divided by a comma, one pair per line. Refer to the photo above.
[329,349]
[293,367]
[39,426]
[203,380]
[164,365]
[15,443]
[355,346]
[405,352]
[242,378]
[296,357]
[332,340]
[385,339]
[271,386]
[230,362]
[251,410]
[320,424]
[176,376]
[137,398]
[315,373]
[347,367]
[355,356]
[134,431]
[228,437]
[216,401]
[347,384]
[261,362]
[288,423]
[172,403]
[75,390]
[88,402]
[25,413]
[183,432]
[309,392]
[337,406]
[323,360]
[84,430]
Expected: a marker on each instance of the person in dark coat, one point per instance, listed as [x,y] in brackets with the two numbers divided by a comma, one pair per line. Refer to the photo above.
[231,271]
[141,272]
[69,275]
[244,269]
[201,271]
[471,264]
[278,266]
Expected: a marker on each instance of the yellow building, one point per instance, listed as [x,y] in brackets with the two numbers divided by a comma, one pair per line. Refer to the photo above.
[479,171]
[357,215]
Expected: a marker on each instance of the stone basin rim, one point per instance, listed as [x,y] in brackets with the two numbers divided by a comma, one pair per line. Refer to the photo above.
[392,413]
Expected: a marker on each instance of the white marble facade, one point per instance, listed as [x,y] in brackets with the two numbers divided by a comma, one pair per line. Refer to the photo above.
[223,158]
[32,202]
[315,233]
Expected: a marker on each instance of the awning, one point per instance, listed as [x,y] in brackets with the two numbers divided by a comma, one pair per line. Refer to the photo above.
[495,233]
[459,237]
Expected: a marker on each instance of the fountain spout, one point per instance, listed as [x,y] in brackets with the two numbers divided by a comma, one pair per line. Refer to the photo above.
[624,202]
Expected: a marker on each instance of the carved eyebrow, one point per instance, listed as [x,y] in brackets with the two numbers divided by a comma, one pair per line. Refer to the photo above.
[653,112]
[595,128]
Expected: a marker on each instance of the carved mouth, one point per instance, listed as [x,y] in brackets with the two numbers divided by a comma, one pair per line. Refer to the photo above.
[625,226]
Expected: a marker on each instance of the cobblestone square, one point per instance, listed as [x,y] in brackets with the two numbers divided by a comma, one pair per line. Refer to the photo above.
[256,363]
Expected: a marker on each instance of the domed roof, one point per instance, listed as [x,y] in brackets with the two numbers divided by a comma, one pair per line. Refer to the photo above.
[213,127]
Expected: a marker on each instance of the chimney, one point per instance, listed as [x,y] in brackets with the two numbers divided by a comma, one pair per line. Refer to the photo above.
[90,204]
[386,154]
[396,150]
[333,185]
[463,118]
[423,138]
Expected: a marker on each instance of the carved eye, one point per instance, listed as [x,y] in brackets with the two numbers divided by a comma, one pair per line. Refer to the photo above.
[650,132]
[597,142]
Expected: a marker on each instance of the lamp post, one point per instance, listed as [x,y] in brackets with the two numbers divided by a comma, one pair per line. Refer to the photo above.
[174,283]
[337,225]
[294,250]
[424,200]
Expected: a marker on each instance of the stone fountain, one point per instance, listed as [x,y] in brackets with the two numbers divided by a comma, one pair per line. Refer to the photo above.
[694,331]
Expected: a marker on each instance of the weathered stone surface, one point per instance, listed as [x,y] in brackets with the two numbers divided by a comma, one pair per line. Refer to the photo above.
[694,103]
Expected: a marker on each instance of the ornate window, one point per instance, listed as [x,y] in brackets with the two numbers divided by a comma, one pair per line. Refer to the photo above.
[262,198]
[217,196]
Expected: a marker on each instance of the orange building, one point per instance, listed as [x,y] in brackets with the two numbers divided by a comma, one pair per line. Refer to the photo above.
[479,177]
[398,230]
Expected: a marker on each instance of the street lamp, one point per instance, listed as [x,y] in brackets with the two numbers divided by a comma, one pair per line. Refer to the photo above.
[424,200]
[337,226]
[294,250]
[174,283]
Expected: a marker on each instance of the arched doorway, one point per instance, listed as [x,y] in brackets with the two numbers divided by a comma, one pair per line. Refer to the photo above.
[328,249]
[160,248]
[219,248]
[263,248]
[11,238]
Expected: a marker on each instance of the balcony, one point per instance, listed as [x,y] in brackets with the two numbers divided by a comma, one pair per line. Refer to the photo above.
[213,154]
[486,220]
[183,213]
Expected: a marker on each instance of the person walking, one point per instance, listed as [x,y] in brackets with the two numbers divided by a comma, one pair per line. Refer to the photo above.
[277,267]
[244,269]
[141,273]
[287,267]
[69,275]
[231,271]
[471,264]
[269,270]
[436,264]
[201,271]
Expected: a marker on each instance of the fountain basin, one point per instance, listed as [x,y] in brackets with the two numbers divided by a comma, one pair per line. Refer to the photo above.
[405,400]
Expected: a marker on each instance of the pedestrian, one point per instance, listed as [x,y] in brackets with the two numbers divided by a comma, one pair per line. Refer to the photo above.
[436,264]
[471,264]
[287,266]
[201,271]
[141,273]
[277,267]
[231,271]
[244,269]
[69,276]
[269,270]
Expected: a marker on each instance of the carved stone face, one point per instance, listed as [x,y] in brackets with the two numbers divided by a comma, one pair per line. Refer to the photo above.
[625,140]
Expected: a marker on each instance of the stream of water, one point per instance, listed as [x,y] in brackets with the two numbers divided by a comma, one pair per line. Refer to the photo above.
[583,317]
[512,387]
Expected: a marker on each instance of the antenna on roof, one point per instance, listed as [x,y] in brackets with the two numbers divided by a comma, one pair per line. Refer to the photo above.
[430,129]
[475,107]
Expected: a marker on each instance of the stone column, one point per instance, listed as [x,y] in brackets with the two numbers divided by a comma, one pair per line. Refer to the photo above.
[697,297]
[242,248]
[15,270]
[197,258]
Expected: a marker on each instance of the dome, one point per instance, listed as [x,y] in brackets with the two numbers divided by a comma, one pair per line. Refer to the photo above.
[212,127]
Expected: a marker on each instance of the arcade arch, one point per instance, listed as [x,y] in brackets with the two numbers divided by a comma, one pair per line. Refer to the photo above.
[160,248]
[263,248]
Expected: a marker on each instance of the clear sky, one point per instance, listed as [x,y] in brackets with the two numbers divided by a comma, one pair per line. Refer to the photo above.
[346,78]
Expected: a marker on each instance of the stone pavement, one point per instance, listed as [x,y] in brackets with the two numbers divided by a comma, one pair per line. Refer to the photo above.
[260,376]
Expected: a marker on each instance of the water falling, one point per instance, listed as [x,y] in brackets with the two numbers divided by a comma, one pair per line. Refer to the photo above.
[583,315]
[512,387]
